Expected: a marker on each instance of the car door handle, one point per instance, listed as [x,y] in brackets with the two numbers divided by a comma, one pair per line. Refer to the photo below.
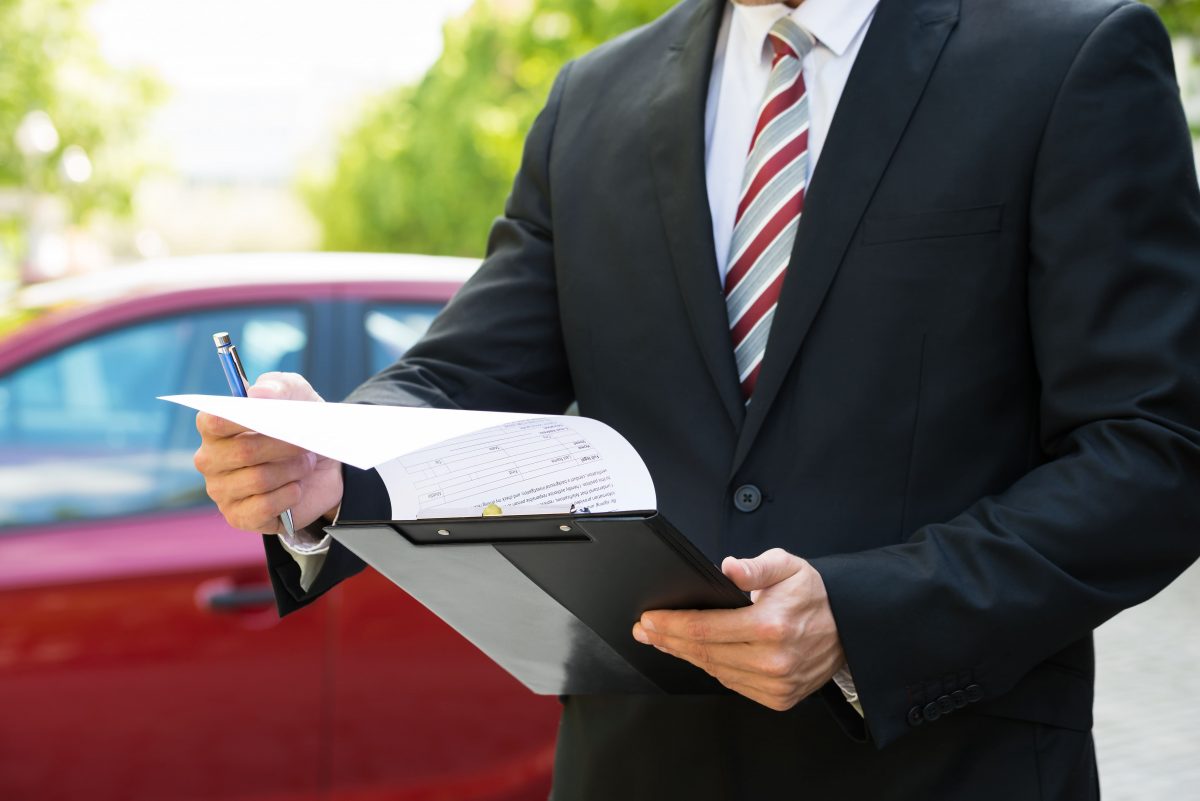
[236,598]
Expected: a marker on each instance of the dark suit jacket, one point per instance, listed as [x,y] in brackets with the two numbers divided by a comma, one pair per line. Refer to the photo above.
[977,415]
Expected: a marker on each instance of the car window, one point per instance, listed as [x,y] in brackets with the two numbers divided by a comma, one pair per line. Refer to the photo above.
[82,434]
[393,328]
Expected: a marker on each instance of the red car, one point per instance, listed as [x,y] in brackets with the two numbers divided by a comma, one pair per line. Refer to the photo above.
[141,656]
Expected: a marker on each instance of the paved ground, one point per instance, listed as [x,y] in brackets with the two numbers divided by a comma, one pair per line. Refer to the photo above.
[1148,697]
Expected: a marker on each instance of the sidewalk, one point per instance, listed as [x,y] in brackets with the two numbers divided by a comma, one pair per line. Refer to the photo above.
[1148,697]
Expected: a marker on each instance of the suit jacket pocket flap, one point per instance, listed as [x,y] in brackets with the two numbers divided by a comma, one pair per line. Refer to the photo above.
[932,225]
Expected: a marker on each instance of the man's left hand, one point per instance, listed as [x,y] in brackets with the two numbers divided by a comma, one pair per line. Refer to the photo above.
[777,651]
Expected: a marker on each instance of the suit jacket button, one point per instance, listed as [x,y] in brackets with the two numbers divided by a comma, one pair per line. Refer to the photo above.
[974,693]
[945,704]
[932,712]
[959,698]
[747,498]
[915,718]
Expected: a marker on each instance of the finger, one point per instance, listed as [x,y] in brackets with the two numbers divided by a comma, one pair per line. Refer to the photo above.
[774,681]
[759,659]
[716,657]
[261,512]
[762,685]
[764,570]
[708,625]
[748,657]
[263,478]
[779,700]
[212,427]
[778,694]
[245,450]
[217,458]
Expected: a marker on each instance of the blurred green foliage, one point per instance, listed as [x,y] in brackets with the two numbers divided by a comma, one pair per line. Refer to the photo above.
[50,62]
[427,167]
[1182,17]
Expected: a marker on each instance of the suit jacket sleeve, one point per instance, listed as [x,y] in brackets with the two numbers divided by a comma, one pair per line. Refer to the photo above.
[1111,516]
[497,346]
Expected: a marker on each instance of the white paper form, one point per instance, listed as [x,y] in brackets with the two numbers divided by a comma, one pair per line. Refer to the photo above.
[542,464]
[453,463]
[354,433]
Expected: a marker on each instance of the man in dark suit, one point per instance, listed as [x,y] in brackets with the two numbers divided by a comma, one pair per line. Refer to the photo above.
[972,433]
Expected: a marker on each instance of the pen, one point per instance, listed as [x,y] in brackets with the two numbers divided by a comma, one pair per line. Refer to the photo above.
[235,374]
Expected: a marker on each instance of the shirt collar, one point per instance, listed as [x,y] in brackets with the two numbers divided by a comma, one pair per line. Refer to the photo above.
[834,23]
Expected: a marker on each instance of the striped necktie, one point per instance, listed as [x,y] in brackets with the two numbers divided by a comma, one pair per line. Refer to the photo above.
[770,203]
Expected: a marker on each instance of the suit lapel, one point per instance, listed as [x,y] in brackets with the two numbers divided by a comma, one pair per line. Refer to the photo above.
[676,137]
[886,82]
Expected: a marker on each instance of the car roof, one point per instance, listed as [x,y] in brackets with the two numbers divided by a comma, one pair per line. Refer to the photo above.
[79,306]
[233,269]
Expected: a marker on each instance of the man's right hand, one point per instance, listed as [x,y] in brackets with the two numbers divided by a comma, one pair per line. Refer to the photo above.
[253,478]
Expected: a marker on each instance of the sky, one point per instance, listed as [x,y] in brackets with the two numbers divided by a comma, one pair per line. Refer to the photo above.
[260,87]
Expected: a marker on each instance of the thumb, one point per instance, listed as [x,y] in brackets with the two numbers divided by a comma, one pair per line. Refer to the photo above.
[762,571]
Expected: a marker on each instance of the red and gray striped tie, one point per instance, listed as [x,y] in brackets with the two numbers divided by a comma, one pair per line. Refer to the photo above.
[770,204]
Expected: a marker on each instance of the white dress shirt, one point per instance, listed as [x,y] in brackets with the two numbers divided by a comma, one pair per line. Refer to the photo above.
[741,68]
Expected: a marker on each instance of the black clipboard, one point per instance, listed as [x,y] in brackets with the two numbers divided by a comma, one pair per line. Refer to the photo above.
[553,598]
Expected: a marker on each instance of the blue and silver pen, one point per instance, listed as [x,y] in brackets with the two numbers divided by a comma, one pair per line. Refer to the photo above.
[235,374]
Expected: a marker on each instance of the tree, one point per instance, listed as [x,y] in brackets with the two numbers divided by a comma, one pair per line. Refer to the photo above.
[51,68]
[427,167]
[1182,17]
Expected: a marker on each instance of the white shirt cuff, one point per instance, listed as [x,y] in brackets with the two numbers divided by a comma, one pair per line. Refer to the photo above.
[845,683]
[308,550]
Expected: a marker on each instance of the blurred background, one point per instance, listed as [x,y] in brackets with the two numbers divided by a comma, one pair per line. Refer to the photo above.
[143,143]
[136,129]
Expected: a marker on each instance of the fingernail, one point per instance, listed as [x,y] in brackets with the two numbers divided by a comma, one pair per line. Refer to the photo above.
[640,635]
[648,624]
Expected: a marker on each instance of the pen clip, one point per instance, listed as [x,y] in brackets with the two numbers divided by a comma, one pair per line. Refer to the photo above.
[237,363]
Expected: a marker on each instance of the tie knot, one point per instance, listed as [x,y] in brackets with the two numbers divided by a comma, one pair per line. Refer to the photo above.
[789,39]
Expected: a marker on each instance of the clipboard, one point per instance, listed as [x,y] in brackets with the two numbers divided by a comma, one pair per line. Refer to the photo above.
[552,599]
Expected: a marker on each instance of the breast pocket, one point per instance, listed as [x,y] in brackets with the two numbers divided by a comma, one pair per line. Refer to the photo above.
[932,225]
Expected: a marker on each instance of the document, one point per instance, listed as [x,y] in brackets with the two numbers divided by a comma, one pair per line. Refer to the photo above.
[547,544]
[454,463]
